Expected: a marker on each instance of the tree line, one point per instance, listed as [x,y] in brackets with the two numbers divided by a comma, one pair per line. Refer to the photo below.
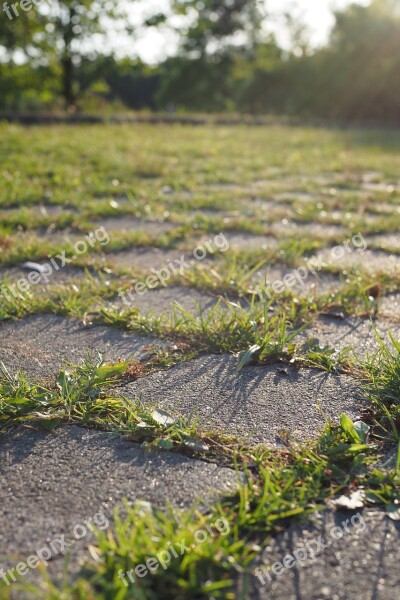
[225,62]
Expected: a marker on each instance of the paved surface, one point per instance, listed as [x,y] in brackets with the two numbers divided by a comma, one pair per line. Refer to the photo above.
[257,402]
[249,241]
[362,565]
[130,223]
[144,259]
[390,307]
[320,283]
[339,333]
[41,345]
[52,481]
[371,260]
[162,301]
[65,275]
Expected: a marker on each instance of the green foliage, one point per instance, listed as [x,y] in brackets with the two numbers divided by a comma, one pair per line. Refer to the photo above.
[383,368]
[218,22]
[199,84]
[280,487]
[224,63]
[54,36]
[346,80]
[17,32]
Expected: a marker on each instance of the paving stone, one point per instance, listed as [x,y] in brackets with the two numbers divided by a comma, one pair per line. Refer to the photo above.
[41,345]
[270,206]
[339,333]
[372,261]
[387,188]
[371,176]
[389,307]
[349,217]
[257,402]
[387,241]
[296,196]
[39,210]
[130,223]
[318,230]
[363,564]
[162,300]
[144,259]
[248,188]
[249,241]
[314,283]
[383,208]
[53,236]
[53,481]
[64,275]
[213,213]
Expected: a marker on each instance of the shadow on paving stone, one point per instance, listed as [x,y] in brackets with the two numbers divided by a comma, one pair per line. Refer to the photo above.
[54,481]
[257,402]
[41,345]
[339,333]
[361,565]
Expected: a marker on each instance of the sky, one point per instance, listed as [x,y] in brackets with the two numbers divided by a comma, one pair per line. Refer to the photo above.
[153,45]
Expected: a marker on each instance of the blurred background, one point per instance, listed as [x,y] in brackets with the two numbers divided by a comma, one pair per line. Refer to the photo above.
[298,58]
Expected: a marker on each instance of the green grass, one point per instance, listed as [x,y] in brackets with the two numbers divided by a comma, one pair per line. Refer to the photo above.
[274,486]
[253,181]
[383,368]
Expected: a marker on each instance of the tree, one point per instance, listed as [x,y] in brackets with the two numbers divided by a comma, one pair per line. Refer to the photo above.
[67,26]
[216,33]
[219,23]
[16,32]
[60,33]
[364,61]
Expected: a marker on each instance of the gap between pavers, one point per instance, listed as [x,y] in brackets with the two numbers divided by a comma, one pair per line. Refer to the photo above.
[52,481]
[362,564]
[40,345]
[257,402]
